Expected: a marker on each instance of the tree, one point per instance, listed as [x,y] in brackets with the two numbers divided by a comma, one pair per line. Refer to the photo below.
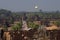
[57,23]
[17,26]
[32,25]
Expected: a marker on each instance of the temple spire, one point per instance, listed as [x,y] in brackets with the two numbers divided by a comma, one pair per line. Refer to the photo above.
[24,25]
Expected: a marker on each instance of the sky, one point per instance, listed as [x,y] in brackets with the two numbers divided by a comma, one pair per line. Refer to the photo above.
[28,5]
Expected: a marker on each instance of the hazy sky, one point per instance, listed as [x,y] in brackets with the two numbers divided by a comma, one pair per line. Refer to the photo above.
[28,5]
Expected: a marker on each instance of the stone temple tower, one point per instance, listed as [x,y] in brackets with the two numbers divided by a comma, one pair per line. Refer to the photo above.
[24,24]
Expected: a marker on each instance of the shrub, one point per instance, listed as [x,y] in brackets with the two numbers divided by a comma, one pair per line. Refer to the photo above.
[57,23]
[17,26]
[32,25]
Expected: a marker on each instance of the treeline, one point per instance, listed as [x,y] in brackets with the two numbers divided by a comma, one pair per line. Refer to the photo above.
[7,15]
